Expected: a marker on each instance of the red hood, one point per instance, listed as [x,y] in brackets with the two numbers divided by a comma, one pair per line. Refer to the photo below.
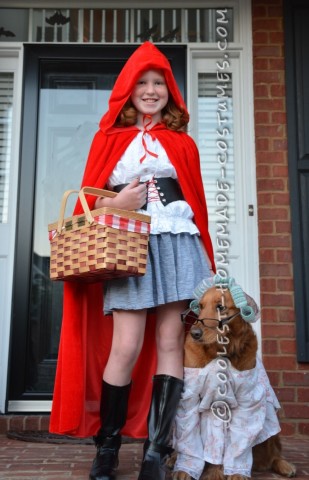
[145,57]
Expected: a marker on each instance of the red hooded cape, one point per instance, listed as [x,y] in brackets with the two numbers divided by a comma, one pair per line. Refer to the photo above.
[86,333]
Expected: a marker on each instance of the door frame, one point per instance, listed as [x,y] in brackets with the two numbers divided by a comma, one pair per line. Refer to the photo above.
[248,274]
[34,54]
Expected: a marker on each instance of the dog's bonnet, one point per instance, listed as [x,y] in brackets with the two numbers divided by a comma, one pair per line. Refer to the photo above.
[248,308]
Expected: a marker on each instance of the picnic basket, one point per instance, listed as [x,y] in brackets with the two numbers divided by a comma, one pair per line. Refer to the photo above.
[99,244]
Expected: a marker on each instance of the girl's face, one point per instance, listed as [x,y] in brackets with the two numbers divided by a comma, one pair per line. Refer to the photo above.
[150,94]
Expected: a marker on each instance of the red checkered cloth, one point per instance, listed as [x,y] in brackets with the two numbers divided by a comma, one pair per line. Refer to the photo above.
[115,221]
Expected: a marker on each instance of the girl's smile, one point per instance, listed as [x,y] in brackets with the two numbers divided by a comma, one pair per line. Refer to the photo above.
[150,96]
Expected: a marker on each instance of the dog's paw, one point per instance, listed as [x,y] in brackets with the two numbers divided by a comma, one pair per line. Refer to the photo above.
[170,462]
[213,472]
[181,476]
[237,477]
[284,468]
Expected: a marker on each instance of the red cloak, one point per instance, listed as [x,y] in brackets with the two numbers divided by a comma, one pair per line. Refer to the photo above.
[86,333]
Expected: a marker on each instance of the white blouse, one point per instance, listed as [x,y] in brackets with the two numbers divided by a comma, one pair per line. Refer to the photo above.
[175,217]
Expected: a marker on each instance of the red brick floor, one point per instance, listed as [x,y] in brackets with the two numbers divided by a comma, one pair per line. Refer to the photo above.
[21,460]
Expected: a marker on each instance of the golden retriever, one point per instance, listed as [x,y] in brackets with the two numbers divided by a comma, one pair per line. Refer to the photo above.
[220,331]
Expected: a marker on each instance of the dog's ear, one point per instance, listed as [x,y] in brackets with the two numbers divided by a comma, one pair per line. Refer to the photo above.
[243,345]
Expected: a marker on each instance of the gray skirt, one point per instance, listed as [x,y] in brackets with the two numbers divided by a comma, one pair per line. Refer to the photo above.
[176,264]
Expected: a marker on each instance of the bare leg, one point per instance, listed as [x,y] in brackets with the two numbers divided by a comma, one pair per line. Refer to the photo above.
[128,337]
[170,339]
[166,390]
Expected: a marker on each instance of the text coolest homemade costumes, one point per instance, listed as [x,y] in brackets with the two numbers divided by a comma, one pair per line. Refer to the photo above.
[86,335]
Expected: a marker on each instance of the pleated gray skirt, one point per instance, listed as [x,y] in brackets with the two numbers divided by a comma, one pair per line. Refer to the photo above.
[176,264]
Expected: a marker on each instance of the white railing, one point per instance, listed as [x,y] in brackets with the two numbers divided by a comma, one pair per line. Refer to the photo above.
[124,25]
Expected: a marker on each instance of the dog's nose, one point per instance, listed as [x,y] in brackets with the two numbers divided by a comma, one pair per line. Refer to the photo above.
[196,333]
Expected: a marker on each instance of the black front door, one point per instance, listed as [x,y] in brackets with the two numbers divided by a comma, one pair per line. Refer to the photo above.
[66,90]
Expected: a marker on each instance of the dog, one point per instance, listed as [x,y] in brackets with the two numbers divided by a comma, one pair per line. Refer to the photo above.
[226,424]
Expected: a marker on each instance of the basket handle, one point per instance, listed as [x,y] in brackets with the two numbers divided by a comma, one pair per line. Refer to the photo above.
[97,192]
[81,193]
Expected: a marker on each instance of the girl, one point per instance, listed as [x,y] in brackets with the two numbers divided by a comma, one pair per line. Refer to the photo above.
[142,152]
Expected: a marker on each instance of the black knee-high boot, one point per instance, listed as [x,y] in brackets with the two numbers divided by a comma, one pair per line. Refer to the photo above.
[113,413]
[165,398]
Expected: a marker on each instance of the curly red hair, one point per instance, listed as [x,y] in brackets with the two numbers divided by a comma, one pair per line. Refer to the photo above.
[173,117]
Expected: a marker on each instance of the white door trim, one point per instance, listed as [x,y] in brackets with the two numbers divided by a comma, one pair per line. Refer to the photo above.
[11,61]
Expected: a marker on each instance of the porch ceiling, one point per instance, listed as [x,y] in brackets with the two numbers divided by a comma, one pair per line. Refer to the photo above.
[114,4]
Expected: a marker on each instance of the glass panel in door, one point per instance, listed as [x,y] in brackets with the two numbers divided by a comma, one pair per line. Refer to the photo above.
[72,98]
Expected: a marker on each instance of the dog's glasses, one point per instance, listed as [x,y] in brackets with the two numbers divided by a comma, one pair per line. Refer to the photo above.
[188,317]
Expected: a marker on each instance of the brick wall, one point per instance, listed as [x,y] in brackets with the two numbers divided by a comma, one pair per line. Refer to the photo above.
[289,378]
[23,422]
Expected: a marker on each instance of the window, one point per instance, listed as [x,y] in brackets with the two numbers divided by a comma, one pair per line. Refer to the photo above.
[6,109]
[216,140]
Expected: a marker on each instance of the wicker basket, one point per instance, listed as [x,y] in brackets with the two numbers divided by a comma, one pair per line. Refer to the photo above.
[101,244]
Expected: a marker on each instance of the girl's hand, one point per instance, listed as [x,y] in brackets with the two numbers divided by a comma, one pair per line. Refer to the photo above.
[131,197]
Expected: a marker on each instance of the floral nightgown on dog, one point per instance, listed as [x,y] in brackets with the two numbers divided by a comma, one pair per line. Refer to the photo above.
[223,413]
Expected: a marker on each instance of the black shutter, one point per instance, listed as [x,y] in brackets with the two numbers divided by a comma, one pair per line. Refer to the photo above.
[296,17]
